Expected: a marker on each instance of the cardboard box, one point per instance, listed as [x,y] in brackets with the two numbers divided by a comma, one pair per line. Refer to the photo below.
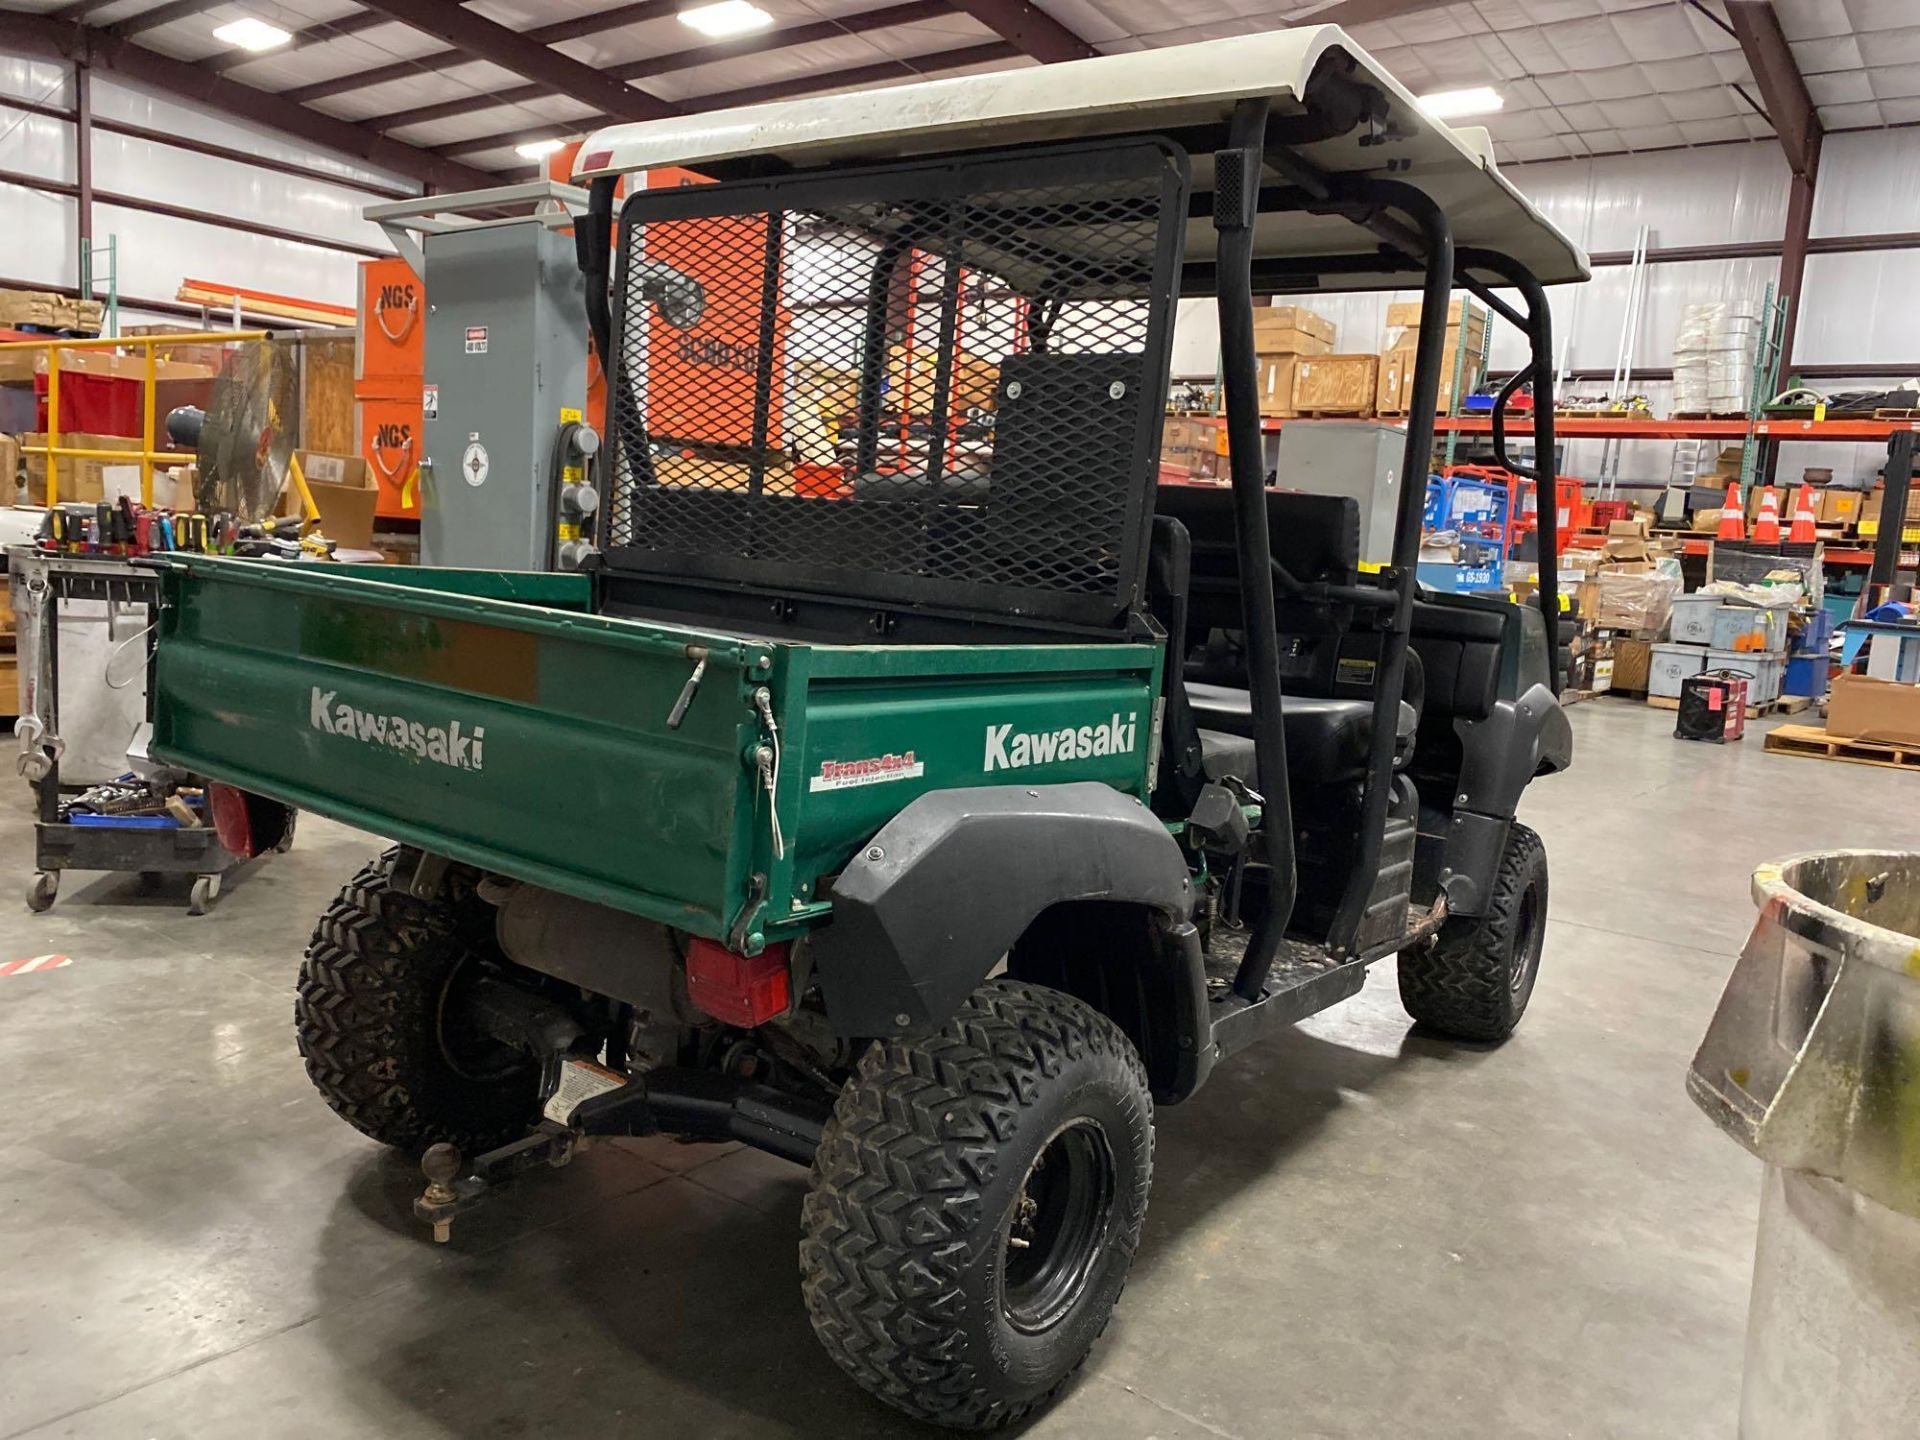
[1278,376]
[1639,601]
[334,469]
[80,480]
[1403,327]
[11,469]
[1185,432]
[1840,507]
[345,494]
[1336,384]
[1292,330]
[1860,707]
[1407,312]
[1869,522]
[1591,668]
[346,513]
[30,307]
[1393,395]
[1390,392]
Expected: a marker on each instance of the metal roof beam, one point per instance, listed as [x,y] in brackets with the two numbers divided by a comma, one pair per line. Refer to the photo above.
[101,48]
[755,94]
[1783,91]
[767,40]
[160,15]
[482,39]
[577,28]
[1028,28]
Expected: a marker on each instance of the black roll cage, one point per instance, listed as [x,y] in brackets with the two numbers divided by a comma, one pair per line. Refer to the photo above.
[1413,235]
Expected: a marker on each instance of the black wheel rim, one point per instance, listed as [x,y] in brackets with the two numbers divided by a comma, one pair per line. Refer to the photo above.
[1058,1227]
[1529,932]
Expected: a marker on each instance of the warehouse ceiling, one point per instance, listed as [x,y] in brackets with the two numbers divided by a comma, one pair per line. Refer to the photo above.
[465,85]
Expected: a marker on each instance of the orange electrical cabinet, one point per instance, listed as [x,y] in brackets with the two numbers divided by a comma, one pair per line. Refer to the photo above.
[392,445]
[393,322]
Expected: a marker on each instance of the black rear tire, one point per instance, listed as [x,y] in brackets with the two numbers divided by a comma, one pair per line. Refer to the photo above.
[382,1042]
[1474,981]
[1026,1118]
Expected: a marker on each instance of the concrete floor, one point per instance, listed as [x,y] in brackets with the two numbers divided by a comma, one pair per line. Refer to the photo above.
[1354,1231]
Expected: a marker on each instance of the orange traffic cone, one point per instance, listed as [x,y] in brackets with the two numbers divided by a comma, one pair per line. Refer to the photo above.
[1803,518]
[1766,525]
[1733,523]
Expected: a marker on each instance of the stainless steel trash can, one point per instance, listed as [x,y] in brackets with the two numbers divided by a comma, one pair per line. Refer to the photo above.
[1812,1062]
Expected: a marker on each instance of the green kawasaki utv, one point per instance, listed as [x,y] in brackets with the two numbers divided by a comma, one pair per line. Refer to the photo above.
[910,786]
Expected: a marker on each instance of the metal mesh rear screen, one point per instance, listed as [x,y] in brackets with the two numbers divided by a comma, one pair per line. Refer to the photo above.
[929,384]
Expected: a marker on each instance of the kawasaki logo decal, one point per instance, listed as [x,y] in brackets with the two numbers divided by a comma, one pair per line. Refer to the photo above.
[1009,751]
[445,745]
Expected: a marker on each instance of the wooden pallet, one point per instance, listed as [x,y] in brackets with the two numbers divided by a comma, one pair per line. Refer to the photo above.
[1896,414]
[1808,740]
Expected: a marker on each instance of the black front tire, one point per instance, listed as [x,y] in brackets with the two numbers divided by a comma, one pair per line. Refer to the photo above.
[377,1019]
[1474,981]
[1026,1118]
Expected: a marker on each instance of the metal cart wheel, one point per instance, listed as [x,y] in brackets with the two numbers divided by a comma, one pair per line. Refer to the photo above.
[40,893]
[206,890]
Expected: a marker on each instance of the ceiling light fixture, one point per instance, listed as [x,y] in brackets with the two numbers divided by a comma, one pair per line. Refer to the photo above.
[725,18]
[538,149]
[248,33]
[1457,104]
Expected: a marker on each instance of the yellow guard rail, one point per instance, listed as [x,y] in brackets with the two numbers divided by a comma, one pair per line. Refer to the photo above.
[147,455]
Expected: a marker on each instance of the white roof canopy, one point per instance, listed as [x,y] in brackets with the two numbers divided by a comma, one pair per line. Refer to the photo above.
[1188,89]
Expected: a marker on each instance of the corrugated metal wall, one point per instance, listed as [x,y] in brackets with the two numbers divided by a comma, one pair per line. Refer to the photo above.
[157,252]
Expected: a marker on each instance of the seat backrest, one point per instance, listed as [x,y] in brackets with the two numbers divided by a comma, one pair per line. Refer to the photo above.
[1315,537]
[1461,650]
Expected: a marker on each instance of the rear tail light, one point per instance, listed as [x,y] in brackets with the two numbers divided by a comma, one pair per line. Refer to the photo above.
[744,990]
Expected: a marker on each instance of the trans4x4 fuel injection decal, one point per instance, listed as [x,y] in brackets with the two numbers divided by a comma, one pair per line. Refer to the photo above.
[845,774]
[447,744]
[1007,750]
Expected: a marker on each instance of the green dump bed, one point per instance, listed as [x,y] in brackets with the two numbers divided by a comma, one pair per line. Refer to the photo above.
[491,718]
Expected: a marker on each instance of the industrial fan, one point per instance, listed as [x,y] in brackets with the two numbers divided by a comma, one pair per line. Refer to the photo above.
[244,439]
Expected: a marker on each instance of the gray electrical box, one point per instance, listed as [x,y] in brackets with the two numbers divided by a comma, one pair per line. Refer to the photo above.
[506,363]
[1361,458]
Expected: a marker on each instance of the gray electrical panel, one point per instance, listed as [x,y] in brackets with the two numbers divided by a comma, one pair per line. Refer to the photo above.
[506,366]
[1361,458]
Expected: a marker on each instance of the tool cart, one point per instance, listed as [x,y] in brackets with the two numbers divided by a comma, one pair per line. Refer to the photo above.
[80,728]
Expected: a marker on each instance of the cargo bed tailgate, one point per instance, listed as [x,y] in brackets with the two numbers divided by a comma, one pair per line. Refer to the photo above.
[466,713]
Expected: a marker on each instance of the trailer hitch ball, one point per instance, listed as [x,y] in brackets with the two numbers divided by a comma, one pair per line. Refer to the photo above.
[441,1166]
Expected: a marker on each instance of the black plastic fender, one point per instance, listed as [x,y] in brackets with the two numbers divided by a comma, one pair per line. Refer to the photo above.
[932,903]
[1500,755]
